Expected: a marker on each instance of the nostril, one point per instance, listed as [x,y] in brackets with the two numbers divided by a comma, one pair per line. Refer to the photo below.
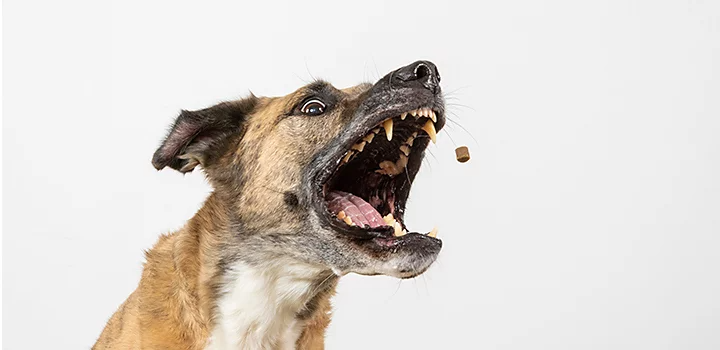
[422,71]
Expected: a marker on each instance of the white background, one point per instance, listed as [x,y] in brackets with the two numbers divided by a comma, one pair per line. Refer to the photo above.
[587,218]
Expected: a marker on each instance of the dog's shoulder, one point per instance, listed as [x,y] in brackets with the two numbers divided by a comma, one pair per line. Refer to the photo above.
[122,330]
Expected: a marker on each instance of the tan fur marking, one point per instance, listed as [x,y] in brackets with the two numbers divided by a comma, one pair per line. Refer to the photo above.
[174,304]
[257,265]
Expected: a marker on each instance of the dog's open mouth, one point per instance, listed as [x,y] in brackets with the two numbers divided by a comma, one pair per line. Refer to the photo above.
[372,181]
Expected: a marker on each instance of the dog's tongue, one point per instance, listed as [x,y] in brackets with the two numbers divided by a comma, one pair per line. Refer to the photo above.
[358,210]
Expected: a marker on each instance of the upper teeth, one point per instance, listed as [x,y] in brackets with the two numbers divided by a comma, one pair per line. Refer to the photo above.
[394,168]
[411,139]
[388,126]
[421,112]
[388,167]
[405,149]
[359,146]
[391,169]
[429,128]
[417,113]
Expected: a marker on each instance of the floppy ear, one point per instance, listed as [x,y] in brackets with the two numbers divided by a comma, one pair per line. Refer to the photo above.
[198,137]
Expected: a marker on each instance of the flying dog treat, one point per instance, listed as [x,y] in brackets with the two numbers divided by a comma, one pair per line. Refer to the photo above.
[462,154]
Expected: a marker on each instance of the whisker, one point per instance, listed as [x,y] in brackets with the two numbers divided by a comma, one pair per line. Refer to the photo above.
[456,90]
[272,189]
[427,164]
[308,70]
[433,155]
[377,72]
[414,270]
[301,78]
[466,130]
[451,139]
[365,77]
[396,289]
[461,105]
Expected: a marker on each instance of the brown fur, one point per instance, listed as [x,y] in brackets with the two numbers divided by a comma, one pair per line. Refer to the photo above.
[172,306]
[257,154]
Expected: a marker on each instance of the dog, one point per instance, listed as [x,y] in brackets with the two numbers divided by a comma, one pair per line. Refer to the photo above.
[307,188]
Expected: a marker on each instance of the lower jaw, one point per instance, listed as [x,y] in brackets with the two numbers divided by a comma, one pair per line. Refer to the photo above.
[401,257]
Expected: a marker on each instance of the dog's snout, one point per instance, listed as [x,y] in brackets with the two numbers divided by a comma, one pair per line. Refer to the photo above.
[424,73]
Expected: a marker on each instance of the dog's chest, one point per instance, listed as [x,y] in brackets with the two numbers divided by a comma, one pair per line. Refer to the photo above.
[259,306]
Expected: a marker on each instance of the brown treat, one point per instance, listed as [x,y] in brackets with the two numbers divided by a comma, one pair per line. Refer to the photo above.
[462,154]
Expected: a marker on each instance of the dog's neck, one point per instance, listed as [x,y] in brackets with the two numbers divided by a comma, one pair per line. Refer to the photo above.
[274,304]
[265,307]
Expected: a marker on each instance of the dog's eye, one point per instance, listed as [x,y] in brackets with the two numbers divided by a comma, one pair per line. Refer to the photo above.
[313,107]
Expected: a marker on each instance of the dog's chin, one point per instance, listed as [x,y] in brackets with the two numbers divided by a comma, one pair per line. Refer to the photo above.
[409,257]
[406,257]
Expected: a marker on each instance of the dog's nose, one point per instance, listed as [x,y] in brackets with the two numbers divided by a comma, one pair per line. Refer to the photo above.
[423,73]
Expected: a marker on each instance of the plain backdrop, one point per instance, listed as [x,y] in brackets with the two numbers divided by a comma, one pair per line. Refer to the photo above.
[587,218]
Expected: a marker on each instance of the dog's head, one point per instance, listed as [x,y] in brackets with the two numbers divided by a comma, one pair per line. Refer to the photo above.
[321,175]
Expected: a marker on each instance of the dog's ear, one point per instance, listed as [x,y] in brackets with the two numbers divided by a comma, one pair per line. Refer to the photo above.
[197,137]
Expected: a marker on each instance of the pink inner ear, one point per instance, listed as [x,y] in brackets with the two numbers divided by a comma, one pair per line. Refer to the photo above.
[179,137]
[194,133]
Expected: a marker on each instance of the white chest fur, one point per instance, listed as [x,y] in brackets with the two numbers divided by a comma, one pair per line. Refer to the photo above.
[259,306]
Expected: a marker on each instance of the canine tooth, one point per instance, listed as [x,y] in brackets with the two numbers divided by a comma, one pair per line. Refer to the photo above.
[388,125]
[398,229]
[369,138]
[341,215]
[347,156]
[405,149]
[348,221]
[359,146]
[433,116]
[429,128]
[433,233]
[402,116]
[401,163]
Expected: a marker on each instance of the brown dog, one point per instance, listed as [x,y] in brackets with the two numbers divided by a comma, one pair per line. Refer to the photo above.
[307,188]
